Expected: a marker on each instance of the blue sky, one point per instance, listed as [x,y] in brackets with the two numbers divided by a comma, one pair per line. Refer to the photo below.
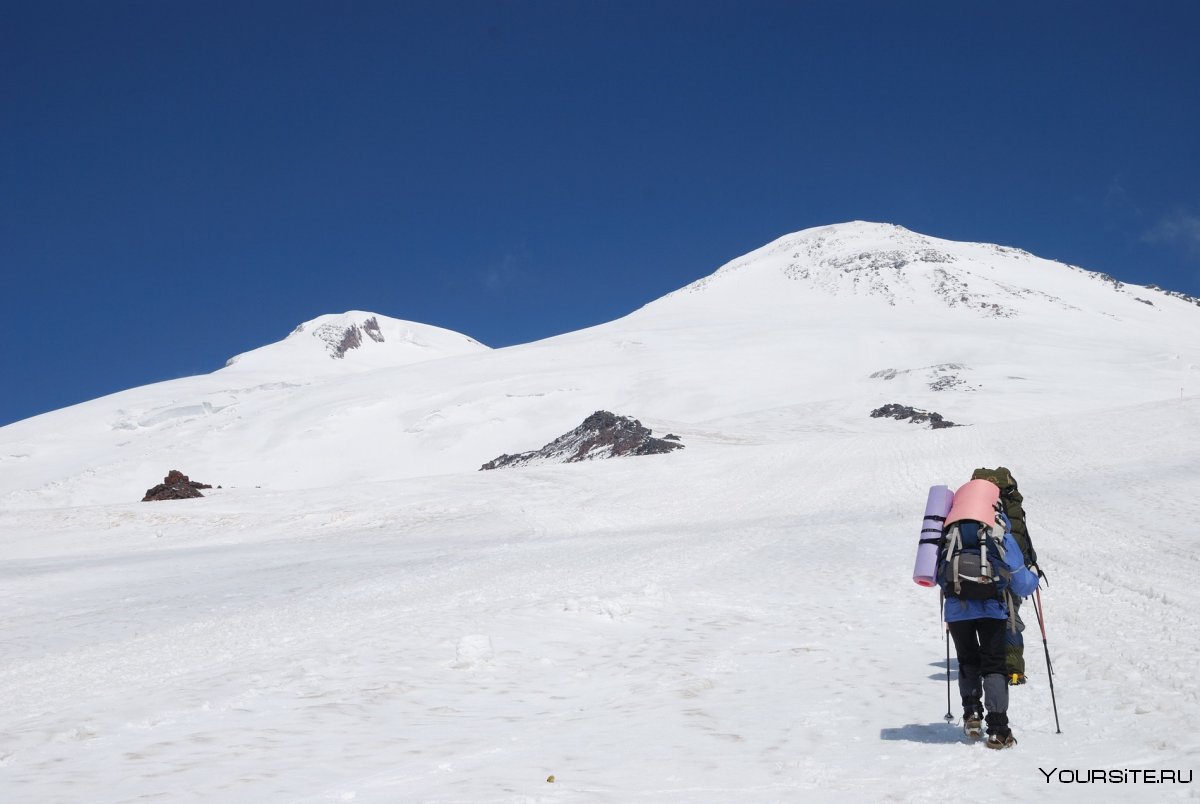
[184,181]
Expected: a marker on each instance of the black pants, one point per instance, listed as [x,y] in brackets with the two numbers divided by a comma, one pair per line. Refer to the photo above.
[981,667]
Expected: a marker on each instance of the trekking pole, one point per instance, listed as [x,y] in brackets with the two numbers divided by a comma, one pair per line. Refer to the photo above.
[946,633]
[949,715]
[1037,606]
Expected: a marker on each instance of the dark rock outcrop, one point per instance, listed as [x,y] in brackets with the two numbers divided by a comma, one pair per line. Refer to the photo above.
[914,415]
[1176,294]
[351,339]
[372,330]
[602,435]
[339,340]
[175,486]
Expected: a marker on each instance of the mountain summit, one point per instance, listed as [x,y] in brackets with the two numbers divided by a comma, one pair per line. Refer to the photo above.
[355,341]
[904,269]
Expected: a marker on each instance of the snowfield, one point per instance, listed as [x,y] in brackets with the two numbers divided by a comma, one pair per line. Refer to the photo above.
[359,615]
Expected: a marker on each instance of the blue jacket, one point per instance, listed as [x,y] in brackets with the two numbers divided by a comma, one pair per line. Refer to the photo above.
[1023,583]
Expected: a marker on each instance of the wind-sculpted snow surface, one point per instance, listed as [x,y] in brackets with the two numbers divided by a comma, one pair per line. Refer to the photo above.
[733,622]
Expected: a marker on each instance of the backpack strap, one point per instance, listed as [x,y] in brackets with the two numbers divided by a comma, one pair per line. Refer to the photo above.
[937,530]
[1007,598]
[997,543]
[935,539]
[953,549]
[985,540]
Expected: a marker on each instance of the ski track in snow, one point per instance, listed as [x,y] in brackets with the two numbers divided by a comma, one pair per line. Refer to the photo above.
[730,623]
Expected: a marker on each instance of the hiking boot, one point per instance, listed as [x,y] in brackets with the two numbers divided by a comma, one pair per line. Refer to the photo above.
[973,724]
[999,742]
[1016,679]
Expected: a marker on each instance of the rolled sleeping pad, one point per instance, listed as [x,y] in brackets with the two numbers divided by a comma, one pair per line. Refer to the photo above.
[936,509]
[975,500]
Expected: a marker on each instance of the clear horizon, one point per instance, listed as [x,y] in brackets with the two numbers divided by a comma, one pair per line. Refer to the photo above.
[185,182]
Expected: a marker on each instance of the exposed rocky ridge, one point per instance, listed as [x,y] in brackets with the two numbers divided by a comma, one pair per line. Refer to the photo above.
[1175,294]
[602,435]
[888,273]
[175,486]
[914,415]
[942,377]
[340,339]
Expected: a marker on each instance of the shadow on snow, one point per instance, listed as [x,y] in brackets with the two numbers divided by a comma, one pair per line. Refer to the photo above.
[942,675]
[924,733]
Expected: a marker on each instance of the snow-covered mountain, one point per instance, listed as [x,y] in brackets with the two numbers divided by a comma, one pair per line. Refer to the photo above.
[906,269]
[873,312]
[353,341]
[360,614]
[821,327]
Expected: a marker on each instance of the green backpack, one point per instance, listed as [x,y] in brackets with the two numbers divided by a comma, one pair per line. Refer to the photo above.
[1012,501]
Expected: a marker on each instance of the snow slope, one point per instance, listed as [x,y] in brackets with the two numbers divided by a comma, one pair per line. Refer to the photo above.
[731,622]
